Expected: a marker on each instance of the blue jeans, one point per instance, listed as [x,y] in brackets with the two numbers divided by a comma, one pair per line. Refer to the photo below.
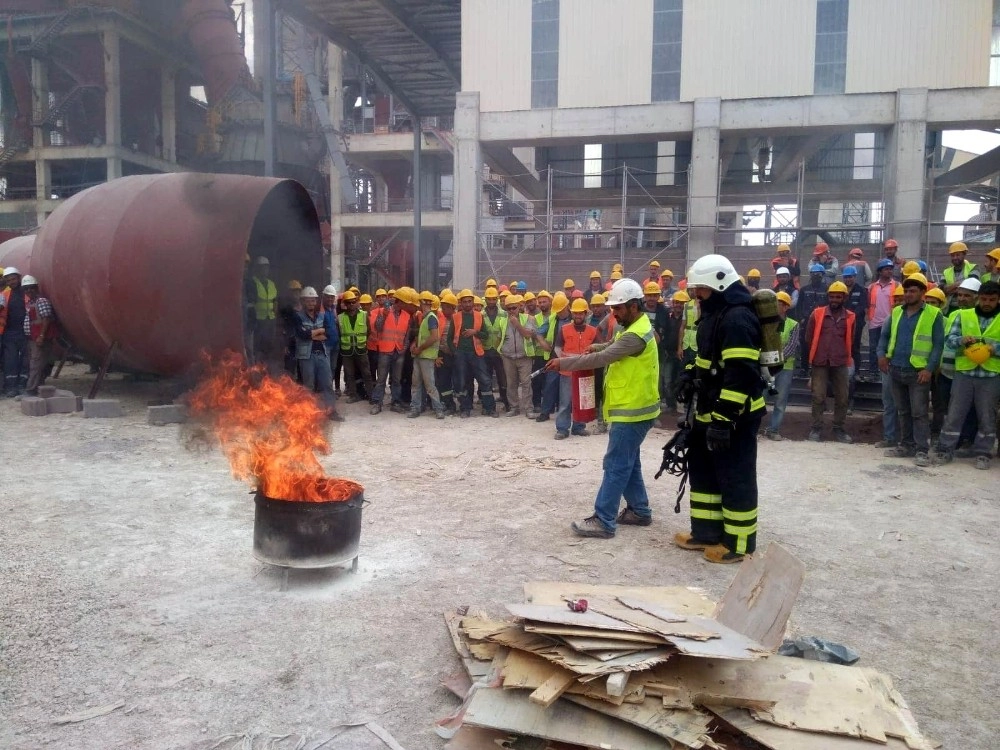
[550,393]
[783,382]
[468,367]
[623,473]
[390,368]
[565,413]
[890,421]
[874,334]
[316,375]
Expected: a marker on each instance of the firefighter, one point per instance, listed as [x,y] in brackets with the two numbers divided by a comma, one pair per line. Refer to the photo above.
[726,382]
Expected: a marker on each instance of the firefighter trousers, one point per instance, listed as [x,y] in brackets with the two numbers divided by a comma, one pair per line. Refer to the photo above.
[724,487]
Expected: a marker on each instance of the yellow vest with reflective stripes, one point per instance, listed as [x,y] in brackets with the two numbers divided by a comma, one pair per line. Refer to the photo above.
[789,330]
[424,333]
[267,293]
[970,327]
[529,346]
[632,384]
[550,335]
[493,328]
[691,325]
[949,272]
[353,338]
[923,335]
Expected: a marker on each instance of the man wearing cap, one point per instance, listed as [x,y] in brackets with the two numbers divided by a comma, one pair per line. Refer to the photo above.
[966,297]
[960,268]
[975,337]
[670,364]
[831,266]
[654,273]
[990,266]
[909,351]
[783,380]
[857,303]
[444,368]
[596,286]
[393,326]
[890,250]
[856,259]
[541,315]
[424,350]
[265,309]
[879,307]
[573,339]
[568,288]
[753,280]
[811,297]
[466,336]
[13,341]
[829,337]
[616,275]
[545,339]
[492,317]
[667,283]
[311,339]
[353,327]
[517,331]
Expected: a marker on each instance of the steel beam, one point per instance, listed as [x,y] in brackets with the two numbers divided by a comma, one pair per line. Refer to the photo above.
[973,171]
[417,29]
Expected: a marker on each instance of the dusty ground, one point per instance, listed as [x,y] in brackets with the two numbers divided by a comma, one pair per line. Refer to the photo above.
[127,575]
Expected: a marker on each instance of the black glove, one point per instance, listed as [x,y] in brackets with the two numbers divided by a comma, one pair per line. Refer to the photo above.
[685,387]
[718,437]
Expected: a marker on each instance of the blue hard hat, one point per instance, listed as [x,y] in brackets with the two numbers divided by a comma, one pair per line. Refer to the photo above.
[522,286]
[817,268]
[884,263]
[850,271]
[923,266]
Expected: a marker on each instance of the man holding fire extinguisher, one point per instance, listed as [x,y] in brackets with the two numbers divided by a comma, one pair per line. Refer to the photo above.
[631,404]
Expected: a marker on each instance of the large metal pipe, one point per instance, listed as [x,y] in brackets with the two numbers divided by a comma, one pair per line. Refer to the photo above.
[211,29]
[16,252]
[156,262]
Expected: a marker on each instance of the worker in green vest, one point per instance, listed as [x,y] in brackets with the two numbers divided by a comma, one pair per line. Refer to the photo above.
[631,405]
[353,325]
[909,351]
[425,352]
[960,268]
[492,316]
[975,336]
[790,342]
[265,308]
[990,266]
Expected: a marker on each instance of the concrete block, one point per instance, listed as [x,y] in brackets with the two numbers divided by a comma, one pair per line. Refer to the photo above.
[32,406]
[61,404]
[167,414]
[46,391]
[63,392]
[79,403]
[102,408]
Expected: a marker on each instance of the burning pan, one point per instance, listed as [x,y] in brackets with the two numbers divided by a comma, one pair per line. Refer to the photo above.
[307,535]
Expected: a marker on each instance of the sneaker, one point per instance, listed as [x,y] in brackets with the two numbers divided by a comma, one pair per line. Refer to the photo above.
[885,444]
[899,452]
[561,435]
[816,436]
[542,417]
[841,436]
[720,553]
[513,412]
[983,462]
[376,409]
[921,459]
[629,518]
[591,527]
[776,436]
[687,541]
[413,415]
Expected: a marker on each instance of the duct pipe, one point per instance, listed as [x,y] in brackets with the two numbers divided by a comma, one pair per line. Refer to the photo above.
[211,29]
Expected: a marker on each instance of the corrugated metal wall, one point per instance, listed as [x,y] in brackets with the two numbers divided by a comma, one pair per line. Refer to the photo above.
[738,49]
[496,53]
[605,52]
[893,44]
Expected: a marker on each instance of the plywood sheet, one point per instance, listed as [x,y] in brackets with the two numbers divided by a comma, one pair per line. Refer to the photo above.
[527,671]
[687,727]
[562,615]
[759,600]
[681,599]
[781,738]
[569,630]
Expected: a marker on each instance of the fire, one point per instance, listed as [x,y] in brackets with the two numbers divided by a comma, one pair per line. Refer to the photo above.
[271,431]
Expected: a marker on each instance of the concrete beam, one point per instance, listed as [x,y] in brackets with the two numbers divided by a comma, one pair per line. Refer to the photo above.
[791,114]
[906,178]
[963,109]
[390,145]
[503,161]
[392,220]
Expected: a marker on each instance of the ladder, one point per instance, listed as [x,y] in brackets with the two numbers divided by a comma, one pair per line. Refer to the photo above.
[39,46]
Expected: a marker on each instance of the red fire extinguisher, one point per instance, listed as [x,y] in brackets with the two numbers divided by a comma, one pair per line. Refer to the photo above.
[584,396]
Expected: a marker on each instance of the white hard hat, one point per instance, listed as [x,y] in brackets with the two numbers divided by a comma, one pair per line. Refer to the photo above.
[971,284]
[309,293]
[624,290]
[330,291]
[11,271]
[782,271]
[29,281]
[262,260]
[713,272]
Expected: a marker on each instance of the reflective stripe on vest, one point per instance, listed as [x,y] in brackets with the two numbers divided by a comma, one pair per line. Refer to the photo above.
[970,327]
[392,337]
[477,326]
[923,339]
[353,338]
[576,342]
[424,333]
[631,385]
[786,336]
[263,306]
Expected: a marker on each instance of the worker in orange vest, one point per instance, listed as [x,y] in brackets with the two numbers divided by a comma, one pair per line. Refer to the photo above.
[466,335]
[830,336]
[573,338]
[392,325]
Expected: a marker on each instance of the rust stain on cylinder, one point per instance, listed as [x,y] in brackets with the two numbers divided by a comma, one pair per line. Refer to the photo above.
[156,262]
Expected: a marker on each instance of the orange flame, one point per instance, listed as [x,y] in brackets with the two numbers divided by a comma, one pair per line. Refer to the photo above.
[270,430]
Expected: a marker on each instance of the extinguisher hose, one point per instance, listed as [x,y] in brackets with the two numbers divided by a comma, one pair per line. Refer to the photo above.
[675,455]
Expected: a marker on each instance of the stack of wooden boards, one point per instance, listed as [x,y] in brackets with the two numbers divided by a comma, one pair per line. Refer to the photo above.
[649,668]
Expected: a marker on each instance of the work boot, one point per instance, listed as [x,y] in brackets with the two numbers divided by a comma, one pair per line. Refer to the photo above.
[532,414]
[983,462]
[602,427]
[899,452]
[397,408]
[561,435]
[513,412]
[581,432]
[885,444]
[630,518]
[942,457]
[465,414]
[439,413]
[376,409]
[921,459]
[771,435]
[816,436]
[352,399]
[685,540]
[841,436]
[543,417]
[591,527]
[413,414]
[720,553]
[333,416]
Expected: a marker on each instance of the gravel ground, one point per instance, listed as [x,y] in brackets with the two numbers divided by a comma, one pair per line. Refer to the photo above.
[127,574]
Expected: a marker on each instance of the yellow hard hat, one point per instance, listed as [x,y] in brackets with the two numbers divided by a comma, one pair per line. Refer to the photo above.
[380,293]
[355,290]
[837,287]
[958,247]
[491,292]
[579,305]
[559,303]
[615,275]
[595,274]
[937,294]
[366,299]
[994,253]
[654,264]
[568,284]
[449,299]
[784,248]
[491,282]
[753,273]
[681,296]
[597,299]
[477,300]
[543,293]
[617,267]
[503,293]
[651,287]
[391,293]
[911,267]
[978,352]
[435,303]
[784,297]
[294,284]
[348,296]
[401,294]
[667,272]
[426,296]
[465,293]
[916,278]
[512,285]
[528,297]
[446,290]
[898,291]
[514,299]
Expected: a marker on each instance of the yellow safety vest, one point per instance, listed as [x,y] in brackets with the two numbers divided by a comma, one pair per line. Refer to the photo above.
[786,335]
[923,340]
[529,345]
[356,338]
[267,293]
[424,333]
[970,327]
[949,272]
[550,335]
[691,325]
[493,328]
[632,384]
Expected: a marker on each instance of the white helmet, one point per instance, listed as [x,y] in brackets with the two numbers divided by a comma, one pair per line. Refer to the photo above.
[713,272]
[309,293]
[29,281]
[11,271]
[970,284]
[623,291]
[330,291]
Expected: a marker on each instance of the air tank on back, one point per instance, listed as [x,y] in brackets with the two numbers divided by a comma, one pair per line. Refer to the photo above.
[155,263]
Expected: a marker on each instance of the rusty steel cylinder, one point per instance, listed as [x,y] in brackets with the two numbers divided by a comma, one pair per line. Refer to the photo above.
[16,252]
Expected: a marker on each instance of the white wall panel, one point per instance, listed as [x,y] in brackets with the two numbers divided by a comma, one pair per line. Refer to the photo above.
[496,53]
[893,44]
[740,49]
[605,52]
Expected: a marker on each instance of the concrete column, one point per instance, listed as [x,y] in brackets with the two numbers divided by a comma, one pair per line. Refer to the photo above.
[906,173]
[43,170]
[703,180]
[113,99]
[168,113]
[418,200]
[468,188]
[335,75]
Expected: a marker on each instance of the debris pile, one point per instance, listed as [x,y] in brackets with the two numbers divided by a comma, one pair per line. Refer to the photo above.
[644,668]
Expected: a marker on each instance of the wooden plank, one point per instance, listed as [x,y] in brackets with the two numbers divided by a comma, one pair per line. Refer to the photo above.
[475,667]
[759,600]
[689,728]
[511,711]
[895,712]
[527,671]
[604,644]
[562,615]
[569,630]
[549,691]
[781,738]
[649,623]
[684,600]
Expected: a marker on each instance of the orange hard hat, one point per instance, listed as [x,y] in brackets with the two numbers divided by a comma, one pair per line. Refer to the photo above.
[821,247]
[890,243]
